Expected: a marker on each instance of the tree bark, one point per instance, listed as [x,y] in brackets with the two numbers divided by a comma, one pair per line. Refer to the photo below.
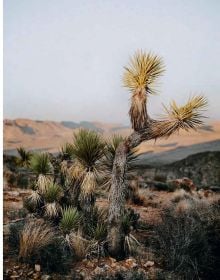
[118,189]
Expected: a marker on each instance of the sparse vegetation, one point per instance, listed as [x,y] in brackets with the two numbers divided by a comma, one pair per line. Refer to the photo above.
[35,235]
[72,221]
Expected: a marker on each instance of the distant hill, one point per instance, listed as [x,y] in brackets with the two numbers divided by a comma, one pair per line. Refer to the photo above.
[178,153]
[50,135]
[202,168]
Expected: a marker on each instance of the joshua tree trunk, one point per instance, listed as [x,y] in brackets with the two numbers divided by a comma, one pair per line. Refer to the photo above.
[117,201]
[117,194]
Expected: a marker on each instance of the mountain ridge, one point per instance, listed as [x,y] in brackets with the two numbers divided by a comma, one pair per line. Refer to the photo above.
[51,135]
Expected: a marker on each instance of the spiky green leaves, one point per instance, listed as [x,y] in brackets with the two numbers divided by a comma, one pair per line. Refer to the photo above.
[40,163]
[99,233]
[88,147]
[52,193]
[66,151]
[70,219]
[188,116]
[24,157]
[143,71]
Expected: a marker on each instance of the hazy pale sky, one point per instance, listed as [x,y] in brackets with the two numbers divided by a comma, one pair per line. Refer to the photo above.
[63,59]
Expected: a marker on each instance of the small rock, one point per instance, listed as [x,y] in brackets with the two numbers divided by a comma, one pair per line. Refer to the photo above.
[14,276]
[45,277]
[149,264]
[30,273]
[98,270]
[89,264]
[106,267]
[112,260]
[82,273]
[14,193]
[7,271]
[37,267]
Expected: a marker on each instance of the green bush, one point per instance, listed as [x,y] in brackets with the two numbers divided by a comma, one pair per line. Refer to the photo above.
[160,186]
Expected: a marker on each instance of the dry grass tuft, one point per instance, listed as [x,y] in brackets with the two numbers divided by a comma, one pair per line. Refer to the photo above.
[35,198]
[42,183]
[76,171]
[79,245]
[179,195]
[89,184]
[52,210]
[36,235]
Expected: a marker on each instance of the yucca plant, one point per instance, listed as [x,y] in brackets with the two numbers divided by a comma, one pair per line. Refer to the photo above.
[130,242]
[88,148]
[70,219]
[52,193]
[66,151]
[40,164]
[140,78]
[24,157]
[99,232]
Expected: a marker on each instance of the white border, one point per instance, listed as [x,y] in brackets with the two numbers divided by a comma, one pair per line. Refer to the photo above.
[1,128]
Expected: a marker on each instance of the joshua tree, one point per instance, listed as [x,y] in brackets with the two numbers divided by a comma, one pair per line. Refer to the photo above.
[141,77]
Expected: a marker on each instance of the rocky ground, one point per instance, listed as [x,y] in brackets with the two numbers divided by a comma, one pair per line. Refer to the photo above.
[144,265]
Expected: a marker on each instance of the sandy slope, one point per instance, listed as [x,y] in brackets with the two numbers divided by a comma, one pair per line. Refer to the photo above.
[49,135]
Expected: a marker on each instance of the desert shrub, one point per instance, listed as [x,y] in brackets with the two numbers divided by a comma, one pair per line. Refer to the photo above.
[22,181]
[90,222]
[14,235]
[160,186]
[17,214]
[11,179]
[179,195]
[172,186]
[79,245]
[70,219]
[35,235]
[55,257]
[99,233]
[160,178]
[184,241]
